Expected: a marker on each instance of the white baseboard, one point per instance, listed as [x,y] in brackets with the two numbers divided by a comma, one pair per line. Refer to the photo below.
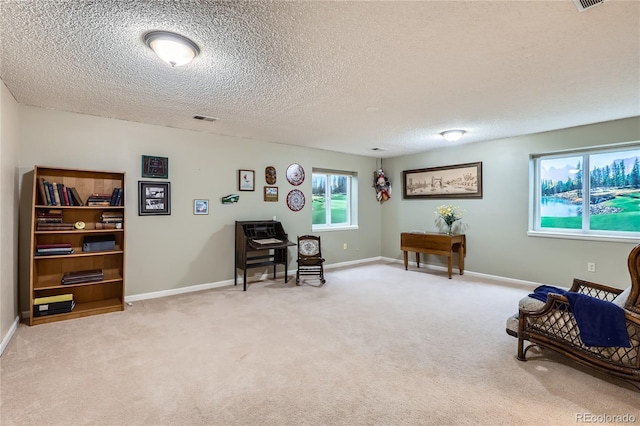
[225,283]
[529,285]
[7,338]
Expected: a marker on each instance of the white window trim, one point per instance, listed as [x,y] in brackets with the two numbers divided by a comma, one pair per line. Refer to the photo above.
[534,196]
[353,203]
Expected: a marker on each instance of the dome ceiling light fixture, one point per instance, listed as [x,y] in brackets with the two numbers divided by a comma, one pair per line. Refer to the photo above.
[174,49]
[452,135]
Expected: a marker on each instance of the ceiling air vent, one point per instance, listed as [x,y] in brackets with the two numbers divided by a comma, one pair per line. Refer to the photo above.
[583,5]
[204,118]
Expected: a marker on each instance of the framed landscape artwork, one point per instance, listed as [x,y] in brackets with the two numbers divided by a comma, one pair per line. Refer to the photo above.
[154,198]
[457,181]
[155,167]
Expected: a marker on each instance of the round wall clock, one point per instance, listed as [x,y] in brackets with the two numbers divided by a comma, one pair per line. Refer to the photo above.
[295,174]
[270,175]
[295,200]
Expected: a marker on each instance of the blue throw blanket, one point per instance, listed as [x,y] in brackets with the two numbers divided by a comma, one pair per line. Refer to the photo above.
[542,291]
[601,323]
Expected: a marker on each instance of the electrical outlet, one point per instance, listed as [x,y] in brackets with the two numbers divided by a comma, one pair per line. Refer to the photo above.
[344,246]
[591,267]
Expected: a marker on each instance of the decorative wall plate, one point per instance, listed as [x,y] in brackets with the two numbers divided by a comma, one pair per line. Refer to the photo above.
[270,175]
[295,200]
[295,174]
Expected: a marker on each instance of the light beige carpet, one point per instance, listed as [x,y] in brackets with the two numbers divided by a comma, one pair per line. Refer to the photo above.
[376,345]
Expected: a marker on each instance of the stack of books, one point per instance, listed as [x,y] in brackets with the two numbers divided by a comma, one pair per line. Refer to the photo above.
[110,220]
[50,305]
[78,277]
[53,249]
[51,220]
[97,199]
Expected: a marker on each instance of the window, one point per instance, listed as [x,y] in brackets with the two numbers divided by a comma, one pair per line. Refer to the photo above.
[589,193]
[334,199]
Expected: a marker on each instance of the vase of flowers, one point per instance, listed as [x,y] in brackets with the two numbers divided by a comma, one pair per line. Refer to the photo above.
[448,215]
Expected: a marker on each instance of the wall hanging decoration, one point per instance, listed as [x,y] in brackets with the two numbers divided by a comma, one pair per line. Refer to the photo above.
[382,184]
[154,198]
[270,175]
[200,206]
[246,180]
[295,200]
[155,167]
[295,174]
[230,199]
[457,181]
[271,193]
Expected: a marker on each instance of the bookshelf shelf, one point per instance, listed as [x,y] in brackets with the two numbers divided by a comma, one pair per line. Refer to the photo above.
[47,271]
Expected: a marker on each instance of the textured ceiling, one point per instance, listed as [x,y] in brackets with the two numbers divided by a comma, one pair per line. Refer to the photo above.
[341,76]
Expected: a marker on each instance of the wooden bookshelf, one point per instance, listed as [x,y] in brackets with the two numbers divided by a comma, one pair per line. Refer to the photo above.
[46,272]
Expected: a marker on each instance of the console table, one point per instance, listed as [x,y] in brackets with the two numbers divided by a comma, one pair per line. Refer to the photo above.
[432,243]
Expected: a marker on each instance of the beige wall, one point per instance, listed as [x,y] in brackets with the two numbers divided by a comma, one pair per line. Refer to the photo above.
[9,144]
[168,252]
[497,223]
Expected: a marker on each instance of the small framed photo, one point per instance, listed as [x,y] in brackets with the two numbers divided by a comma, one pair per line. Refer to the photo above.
[271,193]
[246,180]
[155,167]
[154,198]
[200,206]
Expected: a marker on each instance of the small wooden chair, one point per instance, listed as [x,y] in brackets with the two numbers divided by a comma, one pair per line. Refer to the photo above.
[310,261]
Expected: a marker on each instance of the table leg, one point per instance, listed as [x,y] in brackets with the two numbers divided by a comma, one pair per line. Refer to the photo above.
[461,259]
[417,259]
[406,259]
[449,266]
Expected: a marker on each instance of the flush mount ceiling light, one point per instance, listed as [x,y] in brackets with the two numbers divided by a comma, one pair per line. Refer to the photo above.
[174,49]
[452,135]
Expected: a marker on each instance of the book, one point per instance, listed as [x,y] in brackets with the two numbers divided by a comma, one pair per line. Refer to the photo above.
[114,196]
[119,197]
[54,245]
[52,299]
[43,196]
[63,199]
[53,251]
[76,196]
[56,194]
[62,310]
[64,195]
[64,304]
[49,191]
[82,276]
[112,225]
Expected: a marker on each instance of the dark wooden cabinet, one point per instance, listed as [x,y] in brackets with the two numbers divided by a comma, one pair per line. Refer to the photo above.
[260,244]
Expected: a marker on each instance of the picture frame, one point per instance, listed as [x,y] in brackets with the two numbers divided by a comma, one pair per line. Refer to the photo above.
[200,206]
[271,193]
[154,198]
[155,167]
[246,180]
[455,181]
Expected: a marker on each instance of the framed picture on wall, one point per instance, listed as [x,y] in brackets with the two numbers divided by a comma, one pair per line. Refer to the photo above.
[155,167]
[270,193]
[154,198]
[457,181]
[246,180]
[200,206]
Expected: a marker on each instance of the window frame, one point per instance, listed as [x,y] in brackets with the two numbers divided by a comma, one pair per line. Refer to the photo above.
[584,232]
[352,200]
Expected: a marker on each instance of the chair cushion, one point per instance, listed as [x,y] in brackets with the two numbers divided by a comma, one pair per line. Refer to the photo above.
[622,298]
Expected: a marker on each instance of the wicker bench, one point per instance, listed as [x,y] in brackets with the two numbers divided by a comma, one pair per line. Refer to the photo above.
[551,325]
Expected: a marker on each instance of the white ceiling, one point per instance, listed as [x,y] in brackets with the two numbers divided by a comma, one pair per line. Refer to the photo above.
[334,75]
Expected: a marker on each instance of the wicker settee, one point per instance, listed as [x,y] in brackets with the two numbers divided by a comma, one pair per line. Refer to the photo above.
[552,325]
